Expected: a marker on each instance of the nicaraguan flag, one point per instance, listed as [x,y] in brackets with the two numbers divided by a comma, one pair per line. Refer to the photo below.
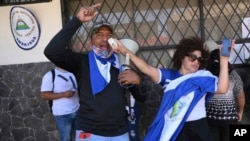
[179,98]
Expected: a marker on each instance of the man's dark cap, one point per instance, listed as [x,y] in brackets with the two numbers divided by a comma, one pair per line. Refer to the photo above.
[100,24]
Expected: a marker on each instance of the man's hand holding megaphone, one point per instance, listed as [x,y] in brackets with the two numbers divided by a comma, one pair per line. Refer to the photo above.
[129,77]
[127,45]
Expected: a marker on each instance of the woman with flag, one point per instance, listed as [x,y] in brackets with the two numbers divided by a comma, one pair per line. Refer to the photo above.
[182,114]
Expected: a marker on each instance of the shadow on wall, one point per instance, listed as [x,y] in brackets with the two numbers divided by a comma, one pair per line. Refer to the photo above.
[245,76]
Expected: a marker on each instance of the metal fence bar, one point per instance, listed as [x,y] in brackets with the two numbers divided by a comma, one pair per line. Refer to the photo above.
[158,25]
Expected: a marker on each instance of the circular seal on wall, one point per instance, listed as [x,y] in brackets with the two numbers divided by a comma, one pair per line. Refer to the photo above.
[25,27]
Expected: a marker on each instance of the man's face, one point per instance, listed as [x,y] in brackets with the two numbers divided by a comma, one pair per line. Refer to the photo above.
[100,38]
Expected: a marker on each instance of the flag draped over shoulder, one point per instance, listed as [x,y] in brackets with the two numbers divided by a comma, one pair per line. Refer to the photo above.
[100,72]
[179,98]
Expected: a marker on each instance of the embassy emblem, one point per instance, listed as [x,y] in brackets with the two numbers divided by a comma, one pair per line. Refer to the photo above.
[25,27]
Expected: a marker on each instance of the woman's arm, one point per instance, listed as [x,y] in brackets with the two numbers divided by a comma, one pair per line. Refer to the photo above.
[145,68]
[223,82]
[241,104]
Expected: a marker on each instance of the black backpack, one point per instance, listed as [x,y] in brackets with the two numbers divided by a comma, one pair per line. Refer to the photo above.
[53,79]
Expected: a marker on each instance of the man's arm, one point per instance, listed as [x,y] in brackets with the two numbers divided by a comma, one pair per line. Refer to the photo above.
[56,51]
[145,90]
[52,96]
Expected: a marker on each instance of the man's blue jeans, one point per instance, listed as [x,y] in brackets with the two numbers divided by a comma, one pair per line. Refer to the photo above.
[65,125]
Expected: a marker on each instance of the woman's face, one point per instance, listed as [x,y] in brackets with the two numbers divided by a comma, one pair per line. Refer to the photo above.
[191,62]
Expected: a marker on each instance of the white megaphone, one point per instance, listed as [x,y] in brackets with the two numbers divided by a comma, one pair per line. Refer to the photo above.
[124,59]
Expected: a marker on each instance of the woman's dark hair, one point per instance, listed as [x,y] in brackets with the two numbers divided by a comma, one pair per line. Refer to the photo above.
[185,47]
[214,63]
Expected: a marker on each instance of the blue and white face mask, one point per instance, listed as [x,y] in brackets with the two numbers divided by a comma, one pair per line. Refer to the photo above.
[103,53]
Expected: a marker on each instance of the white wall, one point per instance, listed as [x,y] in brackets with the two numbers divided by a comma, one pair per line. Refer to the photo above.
[50,20]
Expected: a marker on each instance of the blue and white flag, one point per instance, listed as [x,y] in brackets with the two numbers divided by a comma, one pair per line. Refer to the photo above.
[100,72]
[180,97]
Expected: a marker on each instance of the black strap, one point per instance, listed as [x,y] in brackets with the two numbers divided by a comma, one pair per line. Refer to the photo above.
[53,79]
[73,83]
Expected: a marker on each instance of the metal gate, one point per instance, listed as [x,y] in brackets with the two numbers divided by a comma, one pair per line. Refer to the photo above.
[158,25]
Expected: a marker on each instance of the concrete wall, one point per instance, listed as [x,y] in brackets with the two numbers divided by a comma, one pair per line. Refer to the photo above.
[24,116]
